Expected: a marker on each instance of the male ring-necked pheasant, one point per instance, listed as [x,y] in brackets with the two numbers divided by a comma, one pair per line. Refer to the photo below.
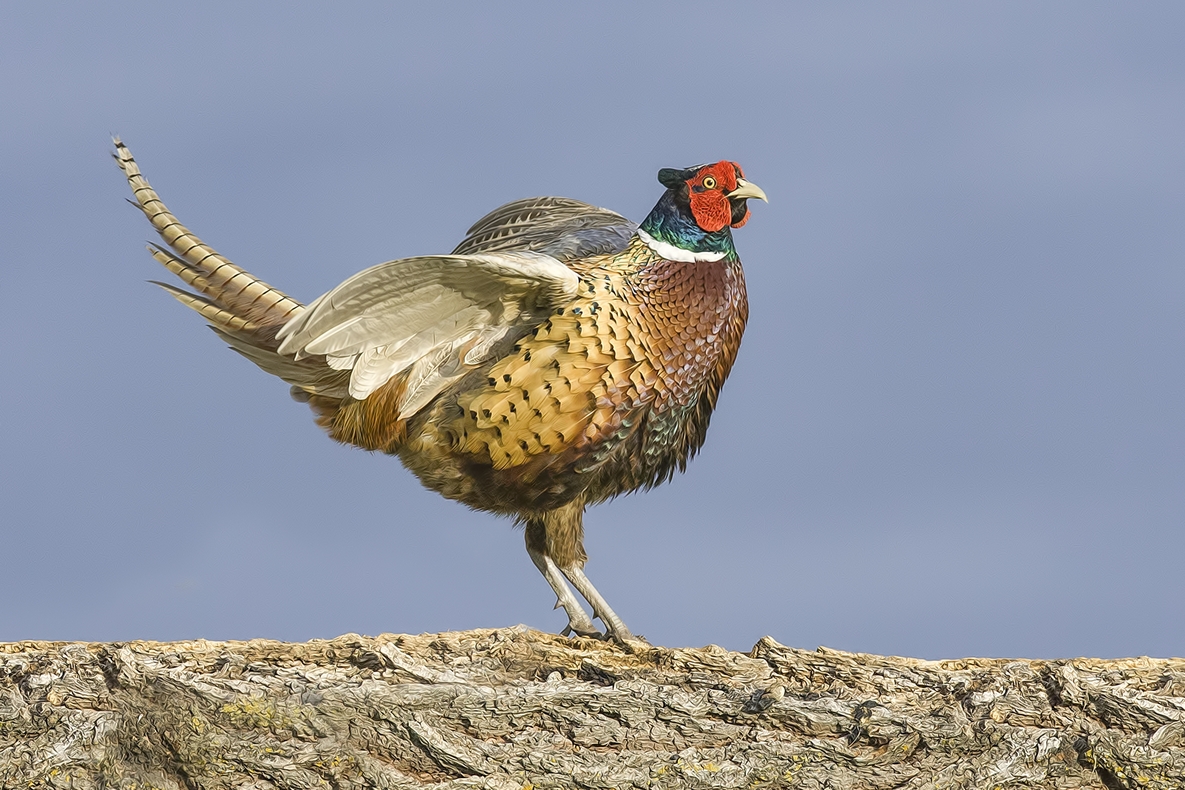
[558,357]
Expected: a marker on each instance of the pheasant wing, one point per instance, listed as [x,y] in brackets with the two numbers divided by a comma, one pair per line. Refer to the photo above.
[564,228]
[430,318]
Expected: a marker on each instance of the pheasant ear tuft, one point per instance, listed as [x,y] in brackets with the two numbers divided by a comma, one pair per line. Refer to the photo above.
[671,178]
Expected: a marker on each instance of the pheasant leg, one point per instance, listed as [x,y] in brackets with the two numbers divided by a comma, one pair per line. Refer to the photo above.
[613,625]
[578,619]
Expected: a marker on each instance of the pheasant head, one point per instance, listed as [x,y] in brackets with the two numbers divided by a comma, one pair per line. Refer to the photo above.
[693,219]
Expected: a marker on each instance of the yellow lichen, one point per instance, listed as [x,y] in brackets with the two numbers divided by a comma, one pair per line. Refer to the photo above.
[256,713]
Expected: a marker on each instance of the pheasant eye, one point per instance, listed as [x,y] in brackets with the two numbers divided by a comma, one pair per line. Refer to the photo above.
[709,183]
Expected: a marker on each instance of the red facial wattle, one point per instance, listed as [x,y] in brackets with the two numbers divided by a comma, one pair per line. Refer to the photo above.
[707,194]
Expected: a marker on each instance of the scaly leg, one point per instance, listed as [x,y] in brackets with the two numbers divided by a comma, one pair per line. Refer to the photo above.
[555,541]
[613,625]
[578,619]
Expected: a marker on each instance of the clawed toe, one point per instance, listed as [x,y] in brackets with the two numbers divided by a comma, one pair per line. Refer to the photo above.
[589,633]
[620,636]
[615,632]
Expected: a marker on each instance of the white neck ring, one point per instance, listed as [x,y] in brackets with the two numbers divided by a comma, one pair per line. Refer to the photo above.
[673,253]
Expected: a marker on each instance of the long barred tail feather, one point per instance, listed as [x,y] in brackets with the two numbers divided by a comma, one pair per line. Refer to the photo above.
[222,284]
[245,311]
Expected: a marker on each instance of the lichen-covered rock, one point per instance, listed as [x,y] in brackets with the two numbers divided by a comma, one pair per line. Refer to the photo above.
[513,708]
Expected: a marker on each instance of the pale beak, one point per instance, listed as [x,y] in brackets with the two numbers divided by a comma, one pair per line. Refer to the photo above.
[746,190]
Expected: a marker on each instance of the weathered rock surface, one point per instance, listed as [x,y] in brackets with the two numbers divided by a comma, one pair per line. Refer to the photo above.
[512,708]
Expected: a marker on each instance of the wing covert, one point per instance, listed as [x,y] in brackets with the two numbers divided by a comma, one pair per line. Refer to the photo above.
[431,317]
[564,228]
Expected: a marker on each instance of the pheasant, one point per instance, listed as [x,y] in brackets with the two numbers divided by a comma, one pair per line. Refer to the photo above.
[560,356]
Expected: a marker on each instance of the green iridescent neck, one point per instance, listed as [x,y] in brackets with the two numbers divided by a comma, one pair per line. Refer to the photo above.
[669,224]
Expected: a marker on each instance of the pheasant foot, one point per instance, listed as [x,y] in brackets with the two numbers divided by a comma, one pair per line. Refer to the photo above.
[578,620]
[614,627]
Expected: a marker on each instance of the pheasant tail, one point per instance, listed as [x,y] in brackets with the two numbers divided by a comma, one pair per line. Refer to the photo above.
[243,309]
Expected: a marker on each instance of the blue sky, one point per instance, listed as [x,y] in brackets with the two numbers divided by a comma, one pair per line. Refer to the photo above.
[955,426]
